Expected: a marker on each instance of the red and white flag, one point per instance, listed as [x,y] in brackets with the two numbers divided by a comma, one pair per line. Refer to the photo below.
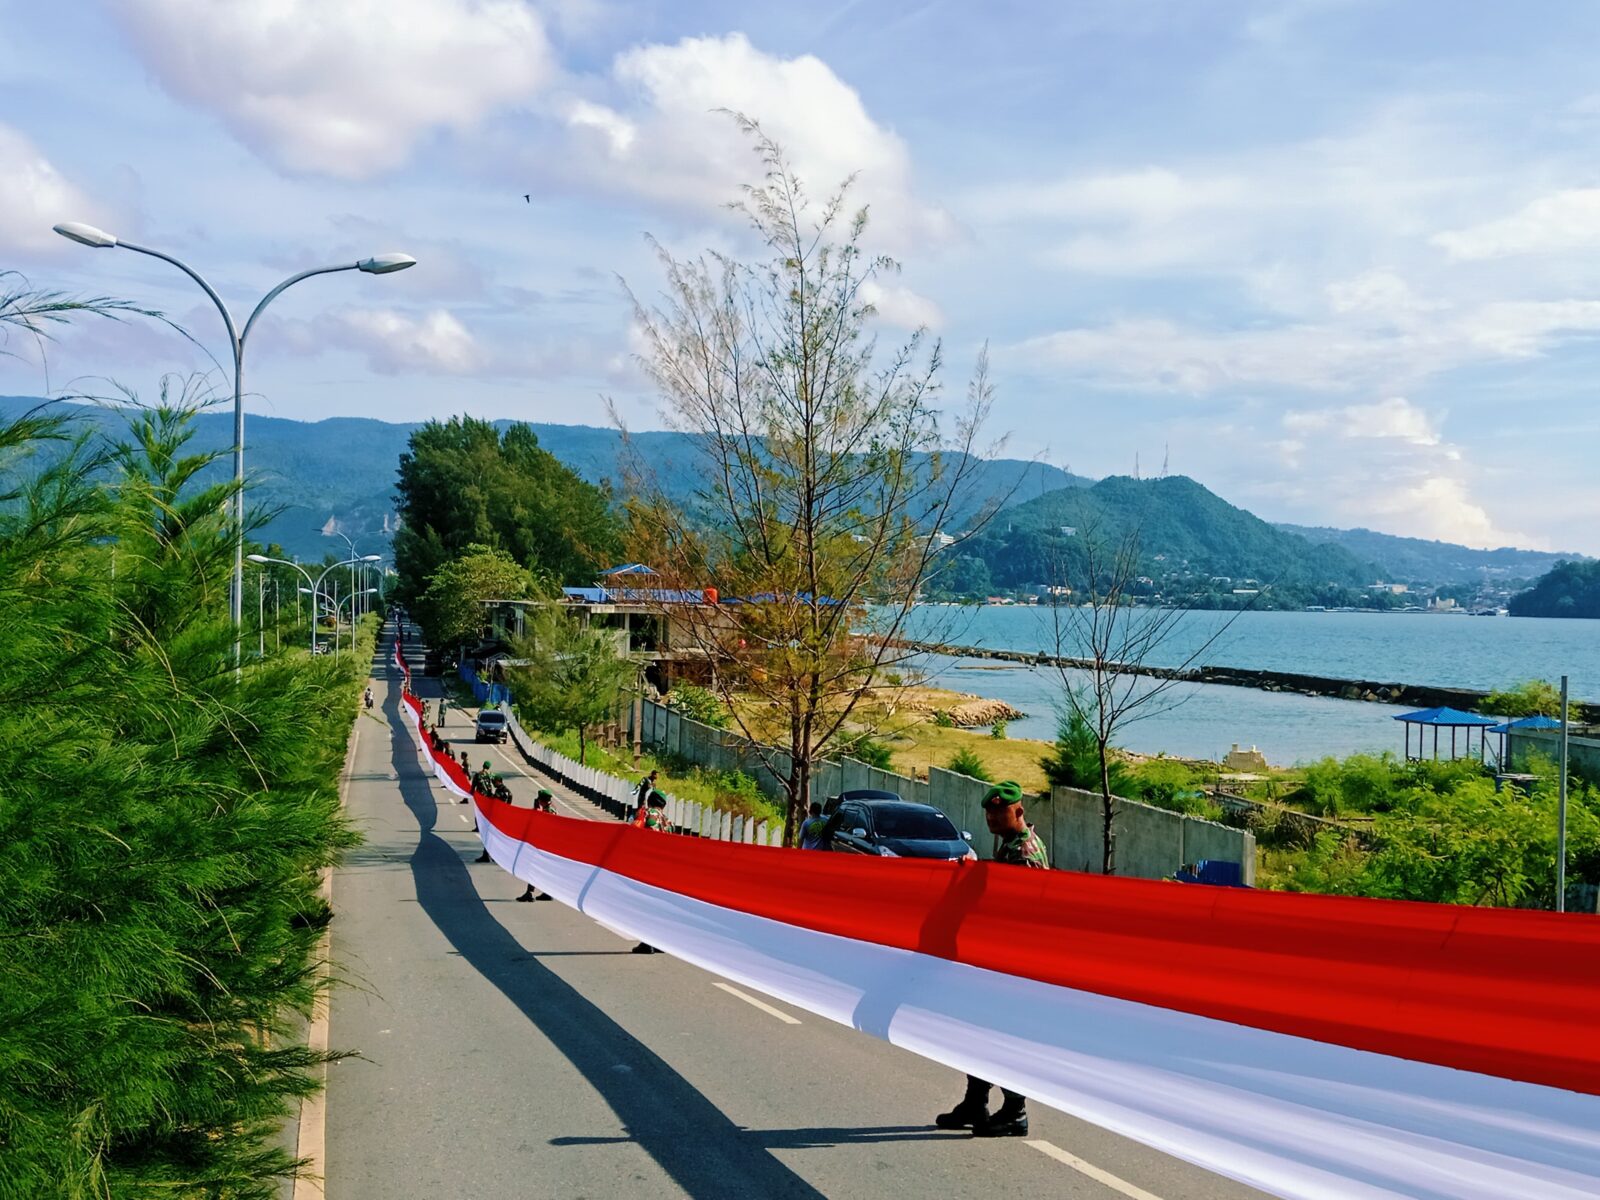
[1311,1046]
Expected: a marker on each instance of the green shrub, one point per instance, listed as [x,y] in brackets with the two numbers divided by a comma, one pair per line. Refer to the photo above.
[1075,761]
[699,704]
[1531,698]
[867,749]
[998,730]
[943,719]
[965,762]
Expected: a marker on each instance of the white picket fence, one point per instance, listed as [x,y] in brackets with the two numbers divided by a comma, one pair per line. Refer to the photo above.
[685,816]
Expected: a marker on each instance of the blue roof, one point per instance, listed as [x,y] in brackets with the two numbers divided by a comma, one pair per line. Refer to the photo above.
[1539,722]
[1445,716]
[598,595]
[628,569]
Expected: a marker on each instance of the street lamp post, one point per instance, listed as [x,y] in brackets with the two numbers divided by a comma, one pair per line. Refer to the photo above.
[315,590]
[381,264]
[337,604]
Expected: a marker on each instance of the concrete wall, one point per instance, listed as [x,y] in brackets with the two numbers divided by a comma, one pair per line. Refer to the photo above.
[1583,753]
[1152,843]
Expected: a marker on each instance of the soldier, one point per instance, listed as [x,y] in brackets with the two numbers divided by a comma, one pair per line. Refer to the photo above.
[466,769]
[541,803]
[655,818]
[641,796]
[500,790]
[1021,846]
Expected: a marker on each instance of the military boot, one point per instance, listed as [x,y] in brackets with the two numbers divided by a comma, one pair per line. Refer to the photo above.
[1009,1120]
[973,1110]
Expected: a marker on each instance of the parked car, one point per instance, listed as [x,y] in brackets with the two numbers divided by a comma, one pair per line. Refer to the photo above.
[491,726]
[885,825]
[833,802]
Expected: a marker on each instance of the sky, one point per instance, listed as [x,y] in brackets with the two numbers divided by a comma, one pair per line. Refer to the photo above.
[1338,260]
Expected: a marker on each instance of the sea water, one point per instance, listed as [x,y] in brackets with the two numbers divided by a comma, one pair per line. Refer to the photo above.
[1205,720]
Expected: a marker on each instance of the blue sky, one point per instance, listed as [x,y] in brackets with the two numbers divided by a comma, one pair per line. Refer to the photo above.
[1336,259]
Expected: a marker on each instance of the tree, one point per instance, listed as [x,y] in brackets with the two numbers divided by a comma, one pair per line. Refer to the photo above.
[570,676]
[826,473]
[450,610]
[463,483]
[1530,698]
[1114,641]
[965,762]
[165,826]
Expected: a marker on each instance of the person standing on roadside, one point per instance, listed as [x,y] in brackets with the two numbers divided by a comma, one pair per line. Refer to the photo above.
[641,797]
[811,829]
[655,818]
[541,803]
[1020,846]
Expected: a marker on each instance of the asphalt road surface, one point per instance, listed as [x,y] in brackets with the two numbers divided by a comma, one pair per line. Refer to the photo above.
[519,1050]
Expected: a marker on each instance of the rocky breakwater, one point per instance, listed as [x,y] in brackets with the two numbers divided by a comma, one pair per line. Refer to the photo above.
[1409,695]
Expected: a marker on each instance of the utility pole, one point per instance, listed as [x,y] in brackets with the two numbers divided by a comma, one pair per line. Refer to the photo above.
[1561,811]
[261,614]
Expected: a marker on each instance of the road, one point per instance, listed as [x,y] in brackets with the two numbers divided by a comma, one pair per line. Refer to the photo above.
[506,1049]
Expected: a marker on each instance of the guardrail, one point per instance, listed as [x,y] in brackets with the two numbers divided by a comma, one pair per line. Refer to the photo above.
[616,795]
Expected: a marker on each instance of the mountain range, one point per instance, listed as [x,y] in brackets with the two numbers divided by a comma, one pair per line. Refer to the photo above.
[319,478]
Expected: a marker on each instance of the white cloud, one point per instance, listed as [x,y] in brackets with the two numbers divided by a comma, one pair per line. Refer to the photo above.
[902,307]
[34,195]
[341,87]
[1562,221]
[1374,332]
[393,342]
[664,138]
[1382,465]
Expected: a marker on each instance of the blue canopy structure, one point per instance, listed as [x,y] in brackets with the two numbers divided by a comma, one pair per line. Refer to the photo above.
[1527,723]
[1446,718]
[628,569]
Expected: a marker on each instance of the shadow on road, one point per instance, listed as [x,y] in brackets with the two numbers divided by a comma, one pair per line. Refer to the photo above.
[704,1153]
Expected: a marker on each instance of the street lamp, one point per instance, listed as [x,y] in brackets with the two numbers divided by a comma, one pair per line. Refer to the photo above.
[315,590]
[379,264]
[338,604]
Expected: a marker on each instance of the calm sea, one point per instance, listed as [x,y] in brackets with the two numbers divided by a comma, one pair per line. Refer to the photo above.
[1203,721]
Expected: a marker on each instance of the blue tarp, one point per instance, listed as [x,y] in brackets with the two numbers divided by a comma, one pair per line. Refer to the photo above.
[485,693]
[1451,717]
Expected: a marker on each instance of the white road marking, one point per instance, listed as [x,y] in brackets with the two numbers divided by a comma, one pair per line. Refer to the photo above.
[1111,1181]
[761,1004]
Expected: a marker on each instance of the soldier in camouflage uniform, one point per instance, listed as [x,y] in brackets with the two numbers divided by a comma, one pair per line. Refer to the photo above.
[655,817]
[655,814]
[541,803]
[1020,846]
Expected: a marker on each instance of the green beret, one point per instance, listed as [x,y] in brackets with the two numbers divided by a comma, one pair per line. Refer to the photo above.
[546,793]
[1003,795]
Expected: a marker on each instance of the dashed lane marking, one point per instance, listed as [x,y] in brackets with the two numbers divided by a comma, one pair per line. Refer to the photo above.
[761,1004]
[1115,1183]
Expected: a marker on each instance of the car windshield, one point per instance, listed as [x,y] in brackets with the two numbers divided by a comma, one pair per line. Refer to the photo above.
[895,821]
[491,718]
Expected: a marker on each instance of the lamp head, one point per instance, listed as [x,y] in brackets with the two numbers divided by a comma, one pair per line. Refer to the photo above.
[380,264]
[306,590]
[372,558]
[86,235]
[257,558]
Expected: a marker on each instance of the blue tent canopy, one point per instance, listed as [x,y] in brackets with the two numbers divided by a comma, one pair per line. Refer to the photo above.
[1446,718]
[1539,722]
[1452,718]
[628,569]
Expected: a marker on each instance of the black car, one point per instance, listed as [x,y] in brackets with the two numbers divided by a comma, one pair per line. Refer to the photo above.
[885,825]
[833,802]
[491,726]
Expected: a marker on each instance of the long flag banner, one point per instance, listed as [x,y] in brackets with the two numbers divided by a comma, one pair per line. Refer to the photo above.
[1310,1046]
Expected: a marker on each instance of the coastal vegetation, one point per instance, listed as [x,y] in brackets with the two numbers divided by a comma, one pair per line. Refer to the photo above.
[165,822]
[1571,589]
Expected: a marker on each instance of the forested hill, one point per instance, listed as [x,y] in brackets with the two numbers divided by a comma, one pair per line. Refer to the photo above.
[1416,560]
[1184,531]
[339,473]
[1572,589]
